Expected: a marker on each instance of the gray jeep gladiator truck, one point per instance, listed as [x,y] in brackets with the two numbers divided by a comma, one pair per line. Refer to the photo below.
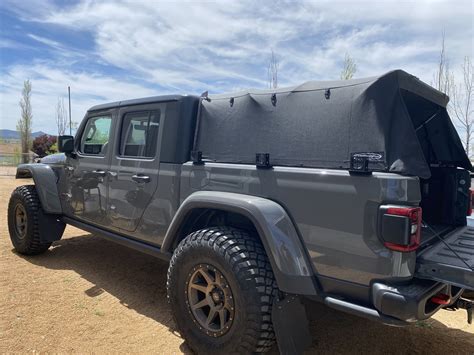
[352,193]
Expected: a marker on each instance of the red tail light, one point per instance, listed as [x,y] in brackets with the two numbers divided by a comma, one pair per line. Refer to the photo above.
[469,205]
[414,215]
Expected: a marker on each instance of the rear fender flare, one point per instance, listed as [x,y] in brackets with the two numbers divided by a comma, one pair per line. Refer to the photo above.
[46,185]
[277,232]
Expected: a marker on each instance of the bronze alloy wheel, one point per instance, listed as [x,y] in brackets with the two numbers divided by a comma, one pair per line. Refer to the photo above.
[209,300]
[220,289]
[21,223]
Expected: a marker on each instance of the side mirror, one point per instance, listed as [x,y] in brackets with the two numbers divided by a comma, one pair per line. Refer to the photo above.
[66,144]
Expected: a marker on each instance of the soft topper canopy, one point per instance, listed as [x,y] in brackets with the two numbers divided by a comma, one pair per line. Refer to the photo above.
[395,119]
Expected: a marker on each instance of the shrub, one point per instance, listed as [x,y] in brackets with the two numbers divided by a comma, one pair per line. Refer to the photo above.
[44,145]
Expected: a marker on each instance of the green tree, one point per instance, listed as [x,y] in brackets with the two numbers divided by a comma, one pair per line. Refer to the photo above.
[25,121]
[349,68]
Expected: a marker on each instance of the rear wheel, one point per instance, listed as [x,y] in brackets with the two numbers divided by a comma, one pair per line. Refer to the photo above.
[24,210]
[221,288]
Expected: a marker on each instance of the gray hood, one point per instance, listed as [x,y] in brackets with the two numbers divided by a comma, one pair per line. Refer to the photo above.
[54,159]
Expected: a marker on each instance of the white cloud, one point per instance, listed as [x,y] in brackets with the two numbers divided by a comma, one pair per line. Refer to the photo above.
[219,46]
[48,84]
[46,41]
[7,43]
[205,41]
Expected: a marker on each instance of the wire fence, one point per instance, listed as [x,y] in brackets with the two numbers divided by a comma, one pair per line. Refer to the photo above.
[9,162]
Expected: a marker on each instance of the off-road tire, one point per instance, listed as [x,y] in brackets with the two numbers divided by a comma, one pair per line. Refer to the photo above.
[241,259]
[30,243]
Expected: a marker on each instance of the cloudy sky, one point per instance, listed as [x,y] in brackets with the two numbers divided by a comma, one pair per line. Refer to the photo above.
[113,50]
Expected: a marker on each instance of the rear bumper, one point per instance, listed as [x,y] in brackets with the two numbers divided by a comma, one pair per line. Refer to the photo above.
[411,302]
[397,305]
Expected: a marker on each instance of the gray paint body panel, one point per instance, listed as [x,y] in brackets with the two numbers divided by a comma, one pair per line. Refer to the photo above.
[335,213]
[279,237]
[46,185]
[160,211]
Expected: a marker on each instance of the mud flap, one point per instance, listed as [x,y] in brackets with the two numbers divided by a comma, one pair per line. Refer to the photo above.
[450,261]
[291,325]
[51,227]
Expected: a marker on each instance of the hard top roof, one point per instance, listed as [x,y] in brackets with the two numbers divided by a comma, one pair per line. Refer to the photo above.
[140,101]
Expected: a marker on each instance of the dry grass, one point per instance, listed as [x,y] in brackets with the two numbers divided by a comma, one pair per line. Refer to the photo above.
[90,295]
[10,147]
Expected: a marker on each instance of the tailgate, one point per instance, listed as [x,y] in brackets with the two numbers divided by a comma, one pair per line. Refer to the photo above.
[439,262]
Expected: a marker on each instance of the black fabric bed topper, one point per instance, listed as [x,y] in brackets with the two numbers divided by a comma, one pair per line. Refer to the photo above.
[395,119]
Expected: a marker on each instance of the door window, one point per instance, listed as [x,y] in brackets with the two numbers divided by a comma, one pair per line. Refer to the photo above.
[95,138]
[139,134]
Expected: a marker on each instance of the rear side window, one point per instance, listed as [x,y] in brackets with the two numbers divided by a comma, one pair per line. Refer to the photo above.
[95,138]
[139,134]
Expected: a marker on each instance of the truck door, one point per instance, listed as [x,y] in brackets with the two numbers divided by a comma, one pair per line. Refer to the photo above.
[135,164]
[85,186]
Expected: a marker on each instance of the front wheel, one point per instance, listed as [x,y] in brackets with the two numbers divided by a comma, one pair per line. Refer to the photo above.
[221,288]
[24,211]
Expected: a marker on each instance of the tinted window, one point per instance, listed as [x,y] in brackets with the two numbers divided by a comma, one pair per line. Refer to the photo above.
[95,138]
[139,134]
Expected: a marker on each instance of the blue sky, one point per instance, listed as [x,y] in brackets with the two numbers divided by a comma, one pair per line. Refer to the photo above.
[113,50]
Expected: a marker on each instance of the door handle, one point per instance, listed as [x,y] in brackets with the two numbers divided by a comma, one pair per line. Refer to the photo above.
[101,173]
[141,178]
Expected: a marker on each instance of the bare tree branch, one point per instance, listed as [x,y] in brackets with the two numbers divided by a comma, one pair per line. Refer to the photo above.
[443,79]
[462,100]
[61,117]
[273,67]
[460,106]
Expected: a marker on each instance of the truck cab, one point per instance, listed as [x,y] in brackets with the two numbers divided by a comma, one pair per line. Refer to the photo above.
[124,172]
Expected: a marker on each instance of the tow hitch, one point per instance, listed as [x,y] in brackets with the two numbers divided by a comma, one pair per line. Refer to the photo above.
[463,303]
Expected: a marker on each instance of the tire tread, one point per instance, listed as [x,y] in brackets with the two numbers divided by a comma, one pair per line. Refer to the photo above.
[29,196]
[248,261]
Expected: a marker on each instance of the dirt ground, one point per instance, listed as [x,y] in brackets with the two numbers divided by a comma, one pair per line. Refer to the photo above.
[90,295]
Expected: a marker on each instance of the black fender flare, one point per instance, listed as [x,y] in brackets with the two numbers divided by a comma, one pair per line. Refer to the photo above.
[46,182]
[282,243]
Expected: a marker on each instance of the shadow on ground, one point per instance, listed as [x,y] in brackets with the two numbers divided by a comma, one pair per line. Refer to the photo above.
[139,282]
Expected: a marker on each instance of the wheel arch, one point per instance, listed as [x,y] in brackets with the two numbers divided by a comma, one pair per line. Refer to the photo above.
[268,219]
[46,185]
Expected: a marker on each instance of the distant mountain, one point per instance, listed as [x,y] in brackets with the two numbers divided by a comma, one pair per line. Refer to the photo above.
[11,134]
[39,133]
